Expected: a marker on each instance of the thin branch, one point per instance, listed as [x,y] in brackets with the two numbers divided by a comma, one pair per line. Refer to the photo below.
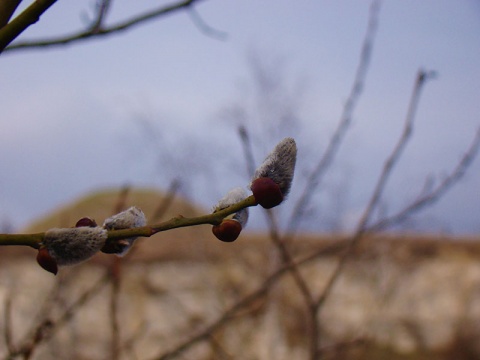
[8,327]
[388,166]
[115,279]
[162,208]
[435,193]
[278,240]
[47,327]
[316,176]
[34,240]
[247,300]
[204,27]
[102,31]
[102,9]
[28,17]
[247,149]
[7,8]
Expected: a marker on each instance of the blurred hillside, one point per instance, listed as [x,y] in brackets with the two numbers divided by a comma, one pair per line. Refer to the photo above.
[402,297]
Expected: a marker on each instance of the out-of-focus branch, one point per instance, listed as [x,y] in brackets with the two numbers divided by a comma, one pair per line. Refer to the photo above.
[388,166]
[7,8]
[98,31]
[7,320]
[102,9]
[29,16]
[48,326]
[166,202]
[247,300]
[434,194]
[204,27]
[279,240]
[316,176]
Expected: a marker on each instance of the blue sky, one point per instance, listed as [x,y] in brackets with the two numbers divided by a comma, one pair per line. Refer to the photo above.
[73,118]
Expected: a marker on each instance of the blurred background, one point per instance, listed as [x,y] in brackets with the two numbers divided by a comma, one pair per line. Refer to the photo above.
[164,100]
[173,112]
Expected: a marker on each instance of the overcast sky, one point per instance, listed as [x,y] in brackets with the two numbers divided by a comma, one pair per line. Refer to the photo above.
[152,104]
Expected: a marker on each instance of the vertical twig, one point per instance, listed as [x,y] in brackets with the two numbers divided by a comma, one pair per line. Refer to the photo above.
[316,176]
[102,9]
[8,327]
[389,164]
[115,279]
[167,201]
[279,241]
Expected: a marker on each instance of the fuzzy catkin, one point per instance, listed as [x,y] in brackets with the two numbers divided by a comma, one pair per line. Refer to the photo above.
[130,218]
[279,165]
[232,197]
[69,246]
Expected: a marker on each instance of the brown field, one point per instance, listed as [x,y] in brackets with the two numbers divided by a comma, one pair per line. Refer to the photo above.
[399,297]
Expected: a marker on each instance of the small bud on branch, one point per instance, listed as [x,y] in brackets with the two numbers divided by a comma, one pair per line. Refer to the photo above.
[128,219]
[272,181]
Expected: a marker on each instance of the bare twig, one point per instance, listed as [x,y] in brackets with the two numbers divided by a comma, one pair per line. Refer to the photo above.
[115,279]
[7,8]
[7,319]
[204,27]
[162,208]
[34,240]
[434,194]
[390,162]
[235,309]
[102,31]
[29,16]
[316,176]
[276,237]
[102,9]
[48,326]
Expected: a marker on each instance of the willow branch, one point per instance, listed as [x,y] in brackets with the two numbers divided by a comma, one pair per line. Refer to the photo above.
[7,8]
[98,31]
[434,194]
[34,240]
[28,17]
[388,166]
[315,177]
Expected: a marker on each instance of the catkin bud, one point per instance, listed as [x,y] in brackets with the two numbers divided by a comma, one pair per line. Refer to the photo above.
[272,180]
[130,218]
[71,246]
[232,197]
[229,229]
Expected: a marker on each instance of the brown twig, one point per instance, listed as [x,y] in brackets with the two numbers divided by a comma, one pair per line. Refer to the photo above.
[389,165]
[166,202]
[434,194]
[34,240]
[47,326]
[236,308]
[115,280]
[28,17]
[276,237]
[102,31]
[315,178]
[7,8]
[7,320]
[102,9]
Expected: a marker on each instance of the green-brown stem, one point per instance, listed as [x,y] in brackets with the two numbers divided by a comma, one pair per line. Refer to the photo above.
[34,240]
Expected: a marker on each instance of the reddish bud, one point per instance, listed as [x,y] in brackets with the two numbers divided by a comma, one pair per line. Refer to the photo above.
[227,231]
[86,221]
[46,261]
[267,193]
